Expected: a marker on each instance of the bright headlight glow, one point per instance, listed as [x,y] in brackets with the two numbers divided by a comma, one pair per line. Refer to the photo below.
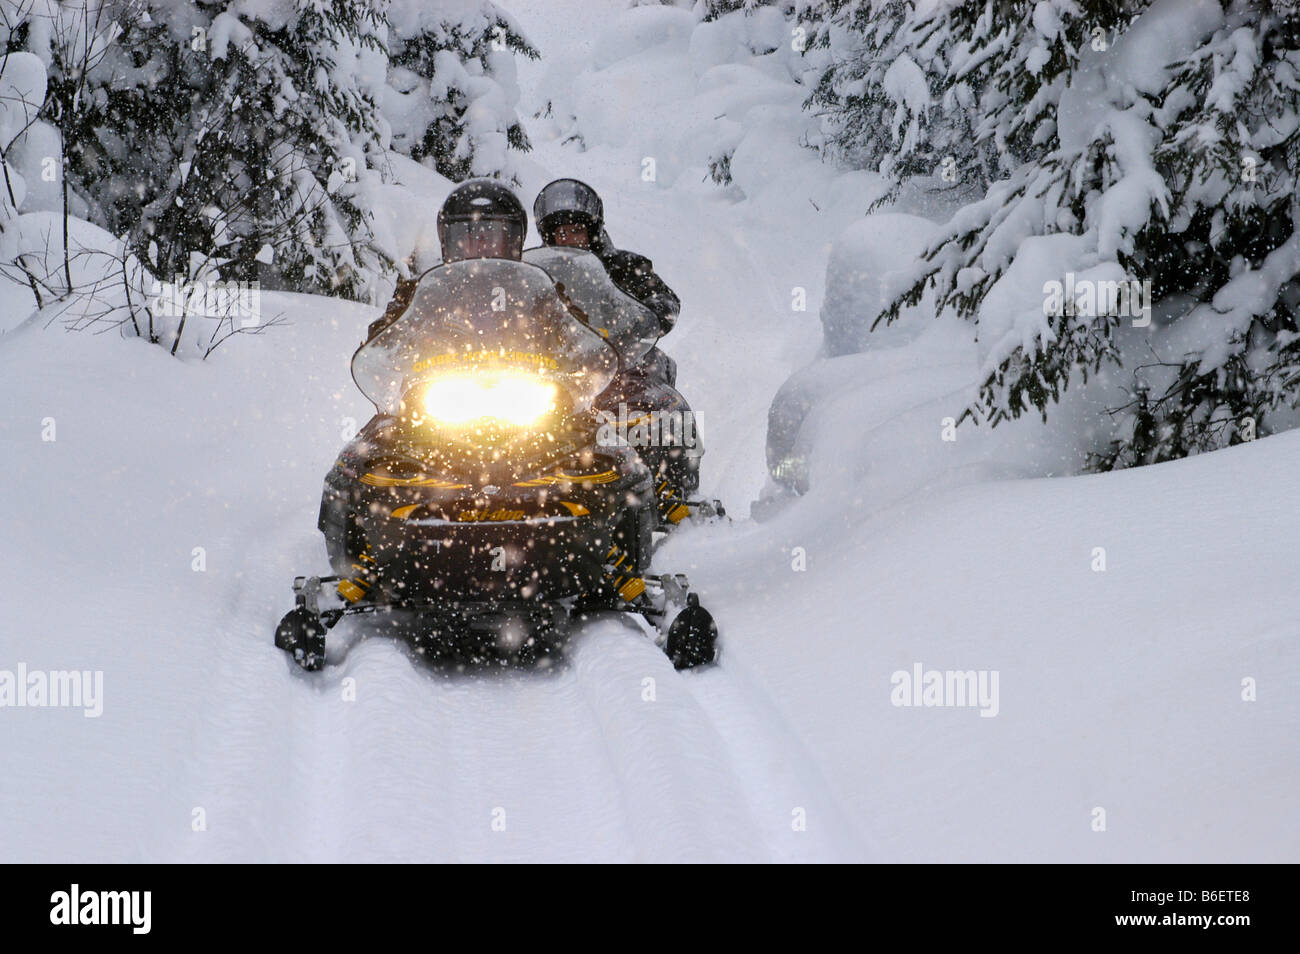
[511,397]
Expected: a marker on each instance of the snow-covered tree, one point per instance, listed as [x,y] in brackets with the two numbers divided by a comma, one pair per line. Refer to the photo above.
[888,97]
[1172,161]
[452,91]
[965,90]
[222,139]
[235,139]
[712,9]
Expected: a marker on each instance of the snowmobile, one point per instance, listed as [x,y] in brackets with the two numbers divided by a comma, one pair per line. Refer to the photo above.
[483,510]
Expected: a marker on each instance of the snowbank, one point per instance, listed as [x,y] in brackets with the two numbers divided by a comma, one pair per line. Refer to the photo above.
[858,276]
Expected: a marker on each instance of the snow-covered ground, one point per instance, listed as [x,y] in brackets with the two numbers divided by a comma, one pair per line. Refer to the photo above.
[1119,689]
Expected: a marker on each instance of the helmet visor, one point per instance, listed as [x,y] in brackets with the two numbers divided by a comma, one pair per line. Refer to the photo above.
[481,238]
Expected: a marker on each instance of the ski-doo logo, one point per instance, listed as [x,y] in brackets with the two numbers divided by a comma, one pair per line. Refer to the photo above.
[947,688]
[56,689]
[653,429]
[76,907]
[489,516]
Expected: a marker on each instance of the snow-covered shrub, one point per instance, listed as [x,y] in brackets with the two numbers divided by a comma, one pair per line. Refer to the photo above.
[22,93]
[38,264]
[1172,162]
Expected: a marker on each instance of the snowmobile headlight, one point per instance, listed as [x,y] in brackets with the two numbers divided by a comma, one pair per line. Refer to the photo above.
[516,398]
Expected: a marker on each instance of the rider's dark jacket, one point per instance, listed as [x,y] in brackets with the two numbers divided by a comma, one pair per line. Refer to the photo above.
[635,276]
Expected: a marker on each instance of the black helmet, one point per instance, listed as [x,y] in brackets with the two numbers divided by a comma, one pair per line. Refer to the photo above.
[568,201]
[482,218]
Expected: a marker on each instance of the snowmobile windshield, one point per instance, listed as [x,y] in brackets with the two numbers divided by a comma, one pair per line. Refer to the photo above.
[628,325]
[483,332]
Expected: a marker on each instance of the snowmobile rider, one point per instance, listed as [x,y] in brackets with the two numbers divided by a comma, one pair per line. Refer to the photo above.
[481,218]
[570,213]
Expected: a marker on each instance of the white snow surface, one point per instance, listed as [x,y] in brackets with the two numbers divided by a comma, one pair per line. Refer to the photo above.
[1120,689]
